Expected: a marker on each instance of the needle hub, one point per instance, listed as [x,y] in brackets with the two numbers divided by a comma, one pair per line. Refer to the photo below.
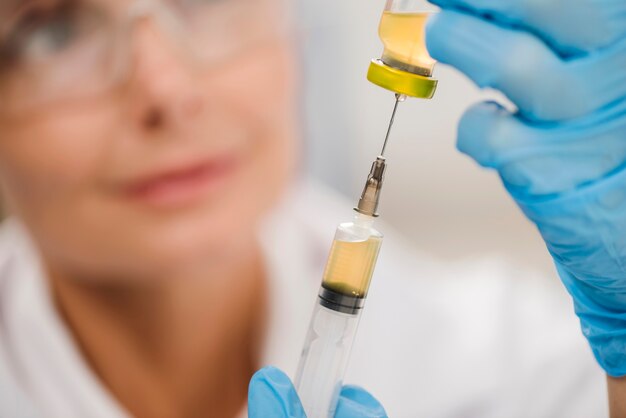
[370,197]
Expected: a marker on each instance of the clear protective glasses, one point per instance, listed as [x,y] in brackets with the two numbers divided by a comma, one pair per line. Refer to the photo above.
[54,50]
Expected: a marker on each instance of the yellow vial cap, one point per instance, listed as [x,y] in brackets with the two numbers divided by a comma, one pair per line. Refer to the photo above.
[401,82]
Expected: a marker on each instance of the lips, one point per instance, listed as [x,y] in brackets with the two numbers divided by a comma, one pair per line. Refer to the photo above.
[181,185]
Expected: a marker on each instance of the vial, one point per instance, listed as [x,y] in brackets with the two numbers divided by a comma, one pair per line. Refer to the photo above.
[405,67]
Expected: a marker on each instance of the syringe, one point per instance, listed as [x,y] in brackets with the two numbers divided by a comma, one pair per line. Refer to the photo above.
[406,69]
[344,288]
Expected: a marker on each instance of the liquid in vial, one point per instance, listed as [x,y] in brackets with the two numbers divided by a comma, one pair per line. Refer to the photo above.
[404,38]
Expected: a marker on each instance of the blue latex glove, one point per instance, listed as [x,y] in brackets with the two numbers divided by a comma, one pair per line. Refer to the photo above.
[562,154]
[271,395]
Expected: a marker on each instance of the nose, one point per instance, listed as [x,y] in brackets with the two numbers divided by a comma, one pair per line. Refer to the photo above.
[161,89]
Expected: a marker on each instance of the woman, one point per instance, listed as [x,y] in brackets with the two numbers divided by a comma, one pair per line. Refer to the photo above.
[141,167]
[161,249]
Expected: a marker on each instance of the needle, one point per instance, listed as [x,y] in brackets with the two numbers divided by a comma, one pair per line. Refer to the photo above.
[399,98]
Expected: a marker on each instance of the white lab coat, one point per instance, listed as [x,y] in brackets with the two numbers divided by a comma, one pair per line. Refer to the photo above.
[476,339]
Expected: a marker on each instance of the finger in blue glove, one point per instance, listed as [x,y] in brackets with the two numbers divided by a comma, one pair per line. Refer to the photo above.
[570,27]
[544,86]
[355,402]
[569,178]
[272,395]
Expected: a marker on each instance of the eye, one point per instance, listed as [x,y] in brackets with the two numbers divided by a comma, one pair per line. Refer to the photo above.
[40,33]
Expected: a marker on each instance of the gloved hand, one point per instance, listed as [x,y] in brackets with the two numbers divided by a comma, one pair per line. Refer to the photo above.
[271,395]
[562,154]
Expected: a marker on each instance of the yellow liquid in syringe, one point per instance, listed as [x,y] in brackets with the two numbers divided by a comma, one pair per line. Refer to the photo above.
[350,266]
[404,38]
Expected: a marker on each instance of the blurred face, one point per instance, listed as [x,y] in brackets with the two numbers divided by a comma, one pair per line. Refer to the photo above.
[136,139]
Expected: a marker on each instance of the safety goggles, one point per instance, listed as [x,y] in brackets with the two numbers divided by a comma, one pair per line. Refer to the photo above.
[53,50]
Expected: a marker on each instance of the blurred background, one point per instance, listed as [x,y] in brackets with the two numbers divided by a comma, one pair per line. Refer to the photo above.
[441,200]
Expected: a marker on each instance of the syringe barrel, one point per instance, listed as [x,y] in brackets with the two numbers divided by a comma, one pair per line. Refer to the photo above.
[324,360]
[336,316]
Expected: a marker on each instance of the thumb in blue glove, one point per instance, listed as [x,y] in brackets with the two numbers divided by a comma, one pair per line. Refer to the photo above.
[272,395]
